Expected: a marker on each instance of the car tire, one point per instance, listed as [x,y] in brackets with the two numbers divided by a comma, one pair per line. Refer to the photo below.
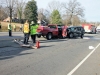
[49,36]
[38,36]
[71,35]
[82,36]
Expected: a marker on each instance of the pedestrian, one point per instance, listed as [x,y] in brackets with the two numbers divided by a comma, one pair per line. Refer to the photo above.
[20,28]
[0,26]
[14,26]
[10,29]
[26,32]
[33,31]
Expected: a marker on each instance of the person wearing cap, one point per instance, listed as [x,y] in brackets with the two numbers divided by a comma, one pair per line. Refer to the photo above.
[26,32]
[33,31]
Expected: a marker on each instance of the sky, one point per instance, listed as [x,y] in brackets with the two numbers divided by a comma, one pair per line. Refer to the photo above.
[92,10]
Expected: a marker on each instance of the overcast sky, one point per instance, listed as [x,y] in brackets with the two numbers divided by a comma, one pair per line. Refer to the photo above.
[92,10]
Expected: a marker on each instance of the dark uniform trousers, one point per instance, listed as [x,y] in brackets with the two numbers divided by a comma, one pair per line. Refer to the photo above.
[33,37]
[26,38]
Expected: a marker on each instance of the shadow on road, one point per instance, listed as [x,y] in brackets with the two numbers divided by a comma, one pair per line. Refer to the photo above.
[9,49]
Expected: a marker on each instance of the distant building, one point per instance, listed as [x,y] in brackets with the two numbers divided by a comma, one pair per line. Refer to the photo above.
[7,19]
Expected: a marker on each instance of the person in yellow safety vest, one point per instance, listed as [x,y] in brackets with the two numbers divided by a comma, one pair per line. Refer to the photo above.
[10,29]
[26,32]
[33,31]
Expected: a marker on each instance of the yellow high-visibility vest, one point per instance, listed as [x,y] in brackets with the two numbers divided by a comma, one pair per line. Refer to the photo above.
[33,29]
[9,27]
[26,28]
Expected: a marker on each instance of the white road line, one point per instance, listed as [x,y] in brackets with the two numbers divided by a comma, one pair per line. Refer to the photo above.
[71,72]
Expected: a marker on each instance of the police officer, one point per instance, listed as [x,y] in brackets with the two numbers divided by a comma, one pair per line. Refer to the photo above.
[26,32]
[33,31]
[10,29]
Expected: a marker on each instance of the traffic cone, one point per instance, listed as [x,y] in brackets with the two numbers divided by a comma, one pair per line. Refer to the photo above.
[37,44]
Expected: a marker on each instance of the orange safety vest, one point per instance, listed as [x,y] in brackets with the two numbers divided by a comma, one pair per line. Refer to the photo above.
[26,28]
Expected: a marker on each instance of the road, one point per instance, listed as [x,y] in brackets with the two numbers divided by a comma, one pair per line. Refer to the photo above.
[54,57]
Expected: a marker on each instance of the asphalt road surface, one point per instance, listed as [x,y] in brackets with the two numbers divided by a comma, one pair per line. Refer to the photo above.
[54,57]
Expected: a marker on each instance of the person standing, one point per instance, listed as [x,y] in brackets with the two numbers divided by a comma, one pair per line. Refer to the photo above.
[20,28]
[10,29]
[26,32]
[0,26]
[33,31]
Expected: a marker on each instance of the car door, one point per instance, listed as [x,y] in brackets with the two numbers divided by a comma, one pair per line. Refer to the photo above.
[75,32]
[79,31]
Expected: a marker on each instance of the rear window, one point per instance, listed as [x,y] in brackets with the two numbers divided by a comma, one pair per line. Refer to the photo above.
[52,26]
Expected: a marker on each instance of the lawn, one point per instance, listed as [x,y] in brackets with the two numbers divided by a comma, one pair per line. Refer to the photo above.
[4,26]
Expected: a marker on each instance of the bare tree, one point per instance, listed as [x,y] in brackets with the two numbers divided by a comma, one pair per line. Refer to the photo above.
[10,4]
[73,9]
[54,5]
[43,15]
[3,14]
[20,8]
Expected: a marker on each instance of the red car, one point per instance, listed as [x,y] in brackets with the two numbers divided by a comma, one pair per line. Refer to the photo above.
[52,30]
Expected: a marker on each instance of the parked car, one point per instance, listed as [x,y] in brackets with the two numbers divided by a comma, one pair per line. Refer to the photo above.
[75,31]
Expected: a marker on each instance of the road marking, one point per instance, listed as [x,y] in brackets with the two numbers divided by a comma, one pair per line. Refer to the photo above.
[91,38]
[86,38]
[71,72]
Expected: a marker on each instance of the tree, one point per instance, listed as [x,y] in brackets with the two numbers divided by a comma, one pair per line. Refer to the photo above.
[10,5]
[73,9]
[54,5]
[3,14]
[31,11]
[20,8]
[43,15]
[55,17]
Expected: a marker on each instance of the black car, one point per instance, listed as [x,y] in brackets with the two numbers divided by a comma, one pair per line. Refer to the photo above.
[75,31]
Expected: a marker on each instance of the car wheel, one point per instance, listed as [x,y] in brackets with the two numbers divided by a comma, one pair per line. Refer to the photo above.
[82,36]
[71,35]
[49,36]
[38,36]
